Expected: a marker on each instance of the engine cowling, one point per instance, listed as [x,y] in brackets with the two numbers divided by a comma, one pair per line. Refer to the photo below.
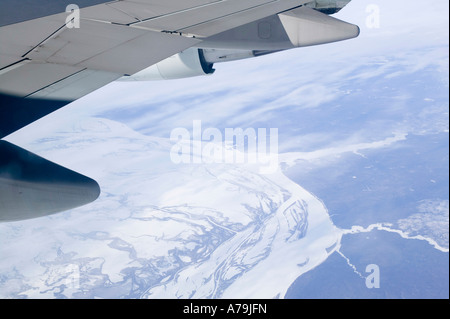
[192,62]
[188,63]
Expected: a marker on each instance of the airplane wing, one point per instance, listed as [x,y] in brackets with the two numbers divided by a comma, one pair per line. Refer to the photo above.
[53,52]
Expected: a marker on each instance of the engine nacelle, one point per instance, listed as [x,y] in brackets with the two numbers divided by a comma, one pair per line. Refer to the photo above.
[188,63]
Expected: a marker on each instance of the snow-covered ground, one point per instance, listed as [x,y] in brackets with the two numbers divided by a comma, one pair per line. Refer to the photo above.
[163,230]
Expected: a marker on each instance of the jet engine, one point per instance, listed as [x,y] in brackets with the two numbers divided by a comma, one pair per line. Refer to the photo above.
[188,63]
